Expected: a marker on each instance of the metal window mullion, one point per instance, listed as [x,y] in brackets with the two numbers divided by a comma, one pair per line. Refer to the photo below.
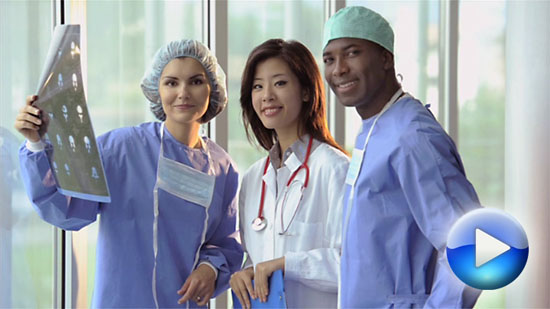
[441,65]
[66,253]
[452,115]
[216,34]
[68,270]
[59,235]
[65,237]
[448,65]
[336,112]
[57,267]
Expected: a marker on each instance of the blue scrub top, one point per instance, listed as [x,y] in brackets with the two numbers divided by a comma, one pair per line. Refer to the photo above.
[125,258]
[411,189]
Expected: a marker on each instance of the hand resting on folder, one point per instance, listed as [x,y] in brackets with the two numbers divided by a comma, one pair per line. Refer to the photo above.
[246,289]
[275,298]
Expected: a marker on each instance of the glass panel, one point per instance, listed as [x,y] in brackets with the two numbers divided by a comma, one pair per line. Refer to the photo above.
[120,39]
[416,28]
[481,99]
[260,21]
[26,242]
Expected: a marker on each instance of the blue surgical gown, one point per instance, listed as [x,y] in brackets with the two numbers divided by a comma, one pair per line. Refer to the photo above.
[411,189]
[125,256]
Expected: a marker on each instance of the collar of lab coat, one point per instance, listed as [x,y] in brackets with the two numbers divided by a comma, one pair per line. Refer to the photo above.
[298,148]
[270,177]
[297,155]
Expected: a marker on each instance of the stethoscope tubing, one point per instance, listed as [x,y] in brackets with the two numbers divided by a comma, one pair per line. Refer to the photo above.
[258,223]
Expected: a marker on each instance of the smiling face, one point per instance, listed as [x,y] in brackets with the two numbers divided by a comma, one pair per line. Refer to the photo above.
[277,96]
[184,91]
[355,70]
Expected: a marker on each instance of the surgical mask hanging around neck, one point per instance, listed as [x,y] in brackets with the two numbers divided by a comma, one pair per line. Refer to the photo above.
[184,181]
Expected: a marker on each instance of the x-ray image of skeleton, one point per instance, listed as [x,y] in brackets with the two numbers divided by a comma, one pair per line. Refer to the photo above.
[75,50]
[75,82]
[65,112]
[71,143]
[63,103]
[80,112]
[94,173]
[87,144]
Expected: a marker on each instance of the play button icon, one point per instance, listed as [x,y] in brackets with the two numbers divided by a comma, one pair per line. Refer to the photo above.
[487,248]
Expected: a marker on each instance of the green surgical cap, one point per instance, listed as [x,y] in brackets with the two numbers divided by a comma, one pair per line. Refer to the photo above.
[360,23]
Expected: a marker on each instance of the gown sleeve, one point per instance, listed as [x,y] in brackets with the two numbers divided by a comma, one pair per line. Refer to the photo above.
[65,212]
[433,180]
[222,250]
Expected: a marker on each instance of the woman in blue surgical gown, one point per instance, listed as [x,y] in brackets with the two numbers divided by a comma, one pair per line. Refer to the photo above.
[159,244]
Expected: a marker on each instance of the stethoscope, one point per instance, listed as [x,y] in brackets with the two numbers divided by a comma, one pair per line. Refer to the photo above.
[259,223]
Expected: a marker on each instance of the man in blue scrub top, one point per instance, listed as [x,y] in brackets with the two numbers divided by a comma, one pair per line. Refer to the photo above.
[406,184]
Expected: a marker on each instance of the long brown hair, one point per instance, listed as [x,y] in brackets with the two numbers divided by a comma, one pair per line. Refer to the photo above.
[301,62]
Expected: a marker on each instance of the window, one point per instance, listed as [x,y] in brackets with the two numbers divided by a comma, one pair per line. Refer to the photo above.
[26,242]
[481,105]
[250,24]
[481,97]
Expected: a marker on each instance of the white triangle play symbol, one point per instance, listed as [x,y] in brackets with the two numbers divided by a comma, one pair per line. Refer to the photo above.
[488,247]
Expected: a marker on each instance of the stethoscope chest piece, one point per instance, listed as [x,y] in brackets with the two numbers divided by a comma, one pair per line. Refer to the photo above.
[259,224]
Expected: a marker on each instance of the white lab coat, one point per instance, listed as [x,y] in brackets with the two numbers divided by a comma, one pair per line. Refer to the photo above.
[311,245]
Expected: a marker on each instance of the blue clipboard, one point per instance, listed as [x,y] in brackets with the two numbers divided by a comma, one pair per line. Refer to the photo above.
[276,297]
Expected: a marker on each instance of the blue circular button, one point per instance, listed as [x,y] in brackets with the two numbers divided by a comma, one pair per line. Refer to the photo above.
[487,249]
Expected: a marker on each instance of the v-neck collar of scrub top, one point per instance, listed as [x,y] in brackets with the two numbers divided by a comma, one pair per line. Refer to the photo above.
[170,139]
[366,124]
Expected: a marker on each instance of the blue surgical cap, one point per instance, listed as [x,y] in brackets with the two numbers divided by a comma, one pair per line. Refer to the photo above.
[192,49]
[360,23]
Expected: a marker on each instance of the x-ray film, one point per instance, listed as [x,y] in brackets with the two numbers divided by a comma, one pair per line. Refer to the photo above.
[75,160]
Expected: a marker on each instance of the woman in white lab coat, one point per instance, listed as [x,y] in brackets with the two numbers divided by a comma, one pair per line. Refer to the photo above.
[290,202]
